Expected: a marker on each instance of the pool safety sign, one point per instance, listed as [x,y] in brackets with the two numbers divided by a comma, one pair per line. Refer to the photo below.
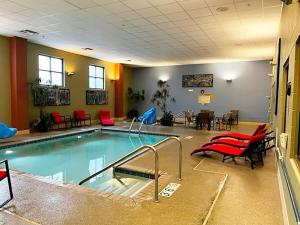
[169,190]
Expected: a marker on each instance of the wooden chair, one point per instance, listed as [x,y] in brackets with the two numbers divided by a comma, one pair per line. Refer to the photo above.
[235,116]
[188,117]
[202,120]
[224,123]
[5,174]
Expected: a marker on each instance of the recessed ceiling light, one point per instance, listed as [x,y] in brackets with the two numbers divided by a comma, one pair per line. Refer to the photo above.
[29,32]
[222,9]
[87,49]
[128,60]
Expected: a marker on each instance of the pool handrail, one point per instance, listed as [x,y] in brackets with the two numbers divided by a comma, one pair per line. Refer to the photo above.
[138,128]
[147,148]
[132,122]
[157,144]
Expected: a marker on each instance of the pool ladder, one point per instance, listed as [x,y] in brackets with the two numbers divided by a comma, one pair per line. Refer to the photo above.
[138,152]
[138,128]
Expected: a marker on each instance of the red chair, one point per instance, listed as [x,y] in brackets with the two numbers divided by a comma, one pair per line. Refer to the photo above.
[5,174]
[80,115]
[58,119]
[240,136]
[104,117]
[253,148]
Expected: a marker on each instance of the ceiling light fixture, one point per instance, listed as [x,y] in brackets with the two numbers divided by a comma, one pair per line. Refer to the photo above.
[29,32]
[128,60]
[222,9]
[87,49]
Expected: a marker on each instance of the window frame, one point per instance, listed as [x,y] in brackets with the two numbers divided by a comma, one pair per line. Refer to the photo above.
[50,71]
[95,77]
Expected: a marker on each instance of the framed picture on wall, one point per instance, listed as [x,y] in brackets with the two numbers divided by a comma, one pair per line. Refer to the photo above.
[64,96]
[198,80]
[96,97]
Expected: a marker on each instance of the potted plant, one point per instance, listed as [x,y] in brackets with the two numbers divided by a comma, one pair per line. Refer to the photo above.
[135,97]
[161,98]
[40,98]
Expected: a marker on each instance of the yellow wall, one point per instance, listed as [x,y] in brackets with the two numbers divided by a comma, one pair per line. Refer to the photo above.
[78,83]
[289,33]
[4,81]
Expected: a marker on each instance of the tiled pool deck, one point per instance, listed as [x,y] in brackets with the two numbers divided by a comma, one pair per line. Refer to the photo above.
[238,194]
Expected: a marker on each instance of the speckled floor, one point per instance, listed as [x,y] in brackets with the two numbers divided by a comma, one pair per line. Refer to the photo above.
[249,197]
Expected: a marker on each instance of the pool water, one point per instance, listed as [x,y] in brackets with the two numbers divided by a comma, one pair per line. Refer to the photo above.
[73,158]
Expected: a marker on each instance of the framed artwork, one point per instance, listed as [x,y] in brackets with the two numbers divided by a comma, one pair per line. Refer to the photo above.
[64,96]
[96,97]
[198,80]
[51,96]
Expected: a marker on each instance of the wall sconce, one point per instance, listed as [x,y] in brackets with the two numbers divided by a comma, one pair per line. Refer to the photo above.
[116,75]
[69,73]
[190,90]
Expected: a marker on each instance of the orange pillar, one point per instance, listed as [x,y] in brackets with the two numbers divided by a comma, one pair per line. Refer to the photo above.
[19,83]
[119,110]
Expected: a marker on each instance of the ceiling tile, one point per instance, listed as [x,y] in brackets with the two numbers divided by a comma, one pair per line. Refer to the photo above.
[158,19]
[149,12]
[161,2]
[116,7]
[82,4]
[170,8]
[197,13]
[140,4]
[193,4]
[218,2]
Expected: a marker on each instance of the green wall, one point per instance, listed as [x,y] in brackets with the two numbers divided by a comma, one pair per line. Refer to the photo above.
[5,110]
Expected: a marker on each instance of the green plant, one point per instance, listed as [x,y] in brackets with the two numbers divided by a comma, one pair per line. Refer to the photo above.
[162,96]
[167,119]
[136,96]
[40,96]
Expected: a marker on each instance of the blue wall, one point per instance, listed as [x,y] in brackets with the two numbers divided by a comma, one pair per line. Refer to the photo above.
[247,92]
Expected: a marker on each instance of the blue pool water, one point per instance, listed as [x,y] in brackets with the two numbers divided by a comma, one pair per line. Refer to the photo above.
[73,158]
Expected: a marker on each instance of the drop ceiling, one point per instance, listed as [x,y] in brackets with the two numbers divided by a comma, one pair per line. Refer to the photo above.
[149,32]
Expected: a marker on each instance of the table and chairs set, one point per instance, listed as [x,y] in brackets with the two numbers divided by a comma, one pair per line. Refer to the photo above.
[206,119]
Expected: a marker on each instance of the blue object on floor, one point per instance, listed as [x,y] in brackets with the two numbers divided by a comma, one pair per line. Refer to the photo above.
[149,116]
[6,132]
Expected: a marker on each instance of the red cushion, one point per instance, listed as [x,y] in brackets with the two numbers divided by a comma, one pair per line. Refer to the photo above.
[232,142]
[56,117]
[233,135]
[107,122]
[80,115]
[259,128]
[3,174]
[104,114]
[224,149]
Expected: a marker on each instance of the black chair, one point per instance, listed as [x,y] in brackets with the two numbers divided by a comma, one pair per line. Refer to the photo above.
[203,119]
[5,174]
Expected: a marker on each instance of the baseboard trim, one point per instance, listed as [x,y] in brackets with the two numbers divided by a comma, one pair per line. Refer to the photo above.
[20,132]
[283,202]
[251,123]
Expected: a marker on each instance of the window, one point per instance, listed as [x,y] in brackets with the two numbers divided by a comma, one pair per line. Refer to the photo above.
[96,77]
[50,70]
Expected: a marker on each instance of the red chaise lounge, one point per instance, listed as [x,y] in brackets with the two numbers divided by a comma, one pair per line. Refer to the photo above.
[104,117]
[5,174]
[240,136]
[253,148]
[80,115]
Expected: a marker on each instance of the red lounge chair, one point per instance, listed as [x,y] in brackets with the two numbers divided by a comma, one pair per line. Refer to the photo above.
[80,115]
[104,117]
[5,174]
[58,119]
[240,136]
[253,148]
[235,142]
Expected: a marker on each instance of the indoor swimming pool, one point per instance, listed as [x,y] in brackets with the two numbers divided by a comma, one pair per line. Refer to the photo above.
[73,158]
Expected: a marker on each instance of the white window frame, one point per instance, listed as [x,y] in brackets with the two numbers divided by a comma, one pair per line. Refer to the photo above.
[95,77]
[50,71]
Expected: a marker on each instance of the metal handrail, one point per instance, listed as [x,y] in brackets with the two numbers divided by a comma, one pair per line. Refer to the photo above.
[141,125]
[147,147]
[157,144]
[132,122]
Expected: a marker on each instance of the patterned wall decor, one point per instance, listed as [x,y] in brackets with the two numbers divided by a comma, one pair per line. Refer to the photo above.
[96,97]
[51,96]
[198,80]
